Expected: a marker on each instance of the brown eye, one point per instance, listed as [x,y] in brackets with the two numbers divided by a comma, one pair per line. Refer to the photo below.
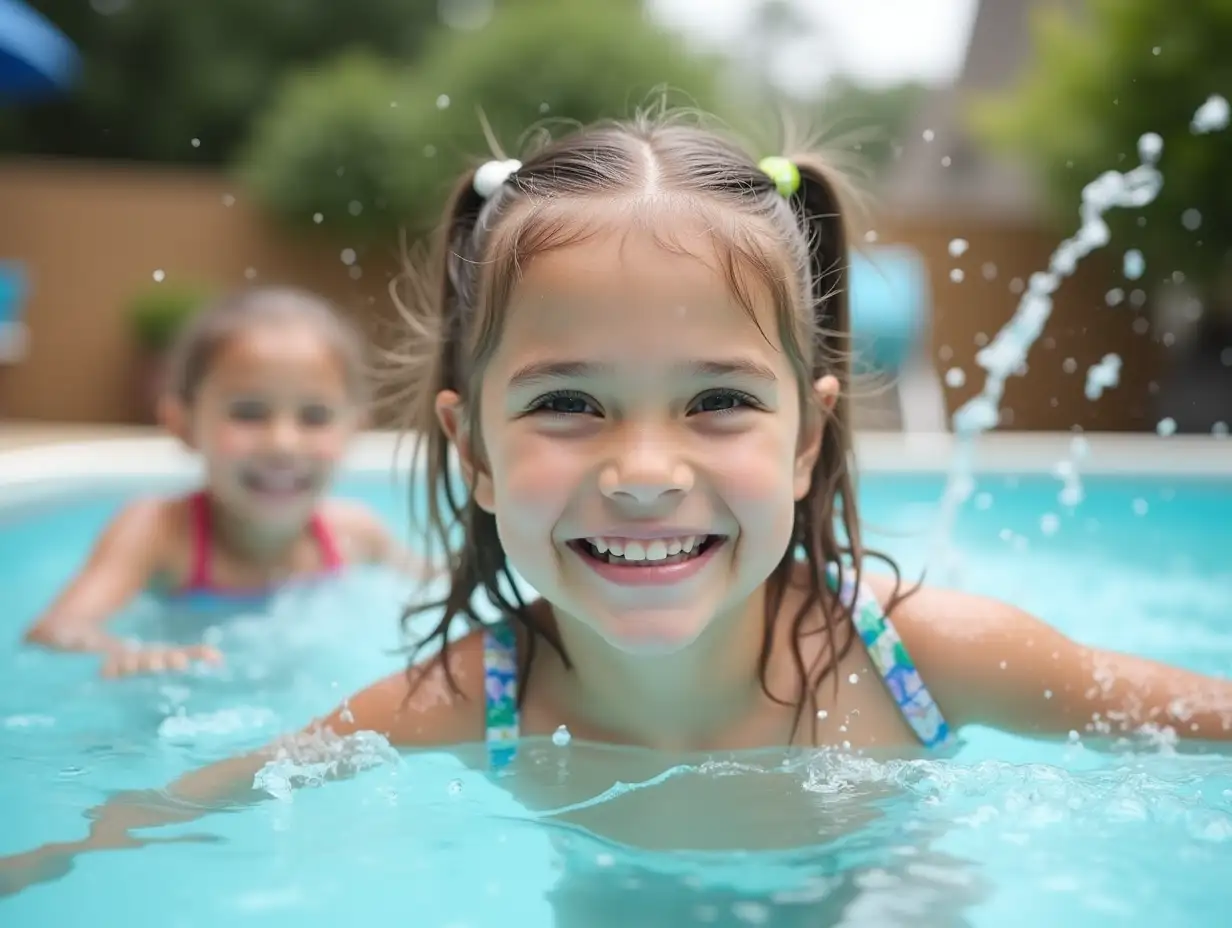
[248,411]
[316,415]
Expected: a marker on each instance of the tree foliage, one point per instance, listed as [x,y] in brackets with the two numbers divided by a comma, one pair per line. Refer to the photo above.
[367,148]
[157,74]
[1098,82]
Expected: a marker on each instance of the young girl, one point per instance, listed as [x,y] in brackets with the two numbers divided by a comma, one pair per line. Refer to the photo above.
[269,386]
[635,345]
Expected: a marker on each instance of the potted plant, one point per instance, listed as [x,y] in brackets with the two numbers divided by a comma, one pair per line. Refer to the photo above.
[156,314]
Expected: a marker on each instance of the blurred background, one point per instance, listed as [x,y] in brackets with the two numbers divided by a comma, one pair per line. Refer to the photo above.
[153,152]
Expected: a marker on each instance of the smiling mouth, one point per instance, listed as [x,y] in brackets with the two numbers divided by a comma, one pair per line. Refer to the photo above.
[277,483]
[656,552]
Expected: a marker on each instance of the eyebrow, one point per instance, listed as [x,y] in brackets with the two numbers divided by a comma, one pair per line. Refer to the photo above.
[541,371]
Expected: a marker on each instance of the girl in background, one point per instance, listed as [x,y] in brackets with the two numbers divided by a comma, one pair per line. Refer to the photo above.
[269,387]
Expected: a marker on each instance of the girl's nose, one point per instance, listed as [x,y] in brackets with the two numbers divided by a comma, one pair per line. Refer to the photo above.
[644,471]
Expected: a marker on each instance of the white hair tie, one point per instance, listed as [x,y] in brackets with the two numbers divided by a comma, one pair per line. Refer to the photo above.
[492,175]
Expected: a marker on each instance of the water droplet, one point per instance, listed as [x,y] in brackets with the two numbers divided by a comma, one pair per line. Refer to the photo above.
[1225,357]
[1137,298]
[1016,285]
[455,787]
[946,162]
[544,107]
[1166,427]
[355,207]
[1141,325]
[442,102]
[1140,507]
[196,143]
[1156,50]
[870,236]
[318,218]
[1114,297]
[355,272]
[465,15]
[956,275]
[1103,376]
[983,501]
[250,273]
[429,151]
[1004,664]
[989,270]
[1150,147]
[822,714]
[228,199]
[1049,523]
[1069,365]
[955,377]
[929,135]
[1134,264]
[605,860]
[348,256]
[1220,430]
[561,737]
[159,276]
[1048,694]
[945,352]
[854,678]
[1191,219]
[1211,115]
[958,247]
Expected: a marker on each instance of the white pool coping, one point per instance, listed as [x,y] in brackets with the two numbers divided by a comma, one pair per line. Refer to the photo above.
[42,471]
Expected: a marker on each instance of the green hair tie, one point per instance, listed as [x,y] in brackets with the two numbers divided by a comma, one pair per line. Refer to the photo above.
[786,176]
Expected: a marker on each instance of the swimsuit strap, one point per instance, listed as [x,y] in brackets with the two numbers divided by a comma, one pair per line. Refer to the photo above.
[201,530]
[500,687]
[331,555]
[889,655]
[201,522]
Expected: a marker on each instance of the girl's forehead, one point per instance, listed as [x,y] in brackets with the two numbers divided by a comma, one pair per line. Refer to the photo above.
[632,292]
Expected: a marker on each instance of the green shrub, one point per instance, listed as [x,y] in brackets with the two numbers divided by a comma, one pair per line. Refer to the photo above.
[158,311]
[365,148]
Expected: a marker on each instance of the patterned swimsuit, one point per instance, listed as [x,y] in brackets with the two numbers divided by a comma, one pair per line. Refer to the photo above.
[885,650]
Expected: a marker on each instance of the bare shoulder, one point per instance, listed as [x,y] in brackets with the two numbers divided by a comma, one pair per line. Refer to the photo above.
[975,652]
[439,701]
[359,527]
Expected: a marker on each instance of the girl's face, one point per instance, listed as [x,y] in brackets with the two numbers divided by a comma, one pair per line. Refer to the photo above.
[272,418]
[641,437]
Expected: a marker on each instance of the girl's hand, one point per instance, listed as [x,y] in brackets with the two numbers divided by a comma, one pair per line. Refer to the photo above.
[154,659]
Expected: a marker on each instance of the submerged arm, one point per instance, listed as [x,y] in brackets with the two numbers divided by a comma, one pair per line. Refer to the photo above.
[433,715]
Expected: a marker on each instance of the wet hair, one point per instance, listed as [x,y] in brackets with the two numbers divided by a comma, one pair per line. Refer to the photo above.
[213,328]
[792,247]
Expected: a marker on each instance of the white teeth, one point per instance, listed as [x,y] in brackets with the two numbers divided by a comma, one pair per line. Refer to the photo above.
[657,549]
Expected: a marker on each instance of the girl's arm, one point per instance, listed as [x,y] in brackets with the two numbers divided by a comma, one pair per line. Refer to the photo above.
[990,663]
[428,714]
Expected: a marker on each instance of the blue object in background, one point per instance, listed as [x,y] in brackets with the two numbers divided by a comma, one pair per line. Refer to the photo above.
[889,306]
[12,292]
[36,59]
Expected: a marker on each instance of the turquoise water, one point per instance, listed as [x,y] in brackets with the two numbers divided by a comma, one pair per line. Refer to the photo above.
[1006,833]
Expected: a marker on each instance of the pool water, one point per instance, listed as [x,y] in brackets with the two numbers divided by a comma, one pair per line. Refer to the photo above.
[1007,832]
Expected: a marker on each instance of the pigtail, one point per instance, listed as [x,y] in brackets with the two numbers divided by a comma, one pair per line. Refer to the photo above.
[822,205]
[441,295]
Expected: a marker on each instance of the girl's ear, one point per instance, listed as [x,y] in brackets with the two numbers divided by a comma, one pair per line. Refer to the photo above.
[453,419]
[174,416]
[812,428]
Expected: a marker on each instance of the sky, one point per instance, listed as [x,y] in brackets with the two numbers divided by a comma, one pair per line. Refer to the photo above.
[876,42]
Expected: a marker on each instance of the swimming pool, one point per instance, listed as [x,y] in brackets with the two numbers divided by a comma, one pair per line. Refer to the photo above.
[1007,833]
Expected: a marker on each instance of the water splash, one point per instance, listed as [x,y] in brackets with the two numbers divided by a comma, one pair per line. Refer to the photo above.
[1007,353]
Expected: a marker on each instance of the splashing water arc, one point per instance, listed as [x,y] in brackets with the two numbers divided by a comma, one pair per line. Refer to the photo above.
[1006,354]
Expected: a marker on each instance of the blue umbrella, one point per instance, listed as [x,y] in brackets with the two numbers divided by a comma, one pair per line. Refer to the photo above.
[36,60]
